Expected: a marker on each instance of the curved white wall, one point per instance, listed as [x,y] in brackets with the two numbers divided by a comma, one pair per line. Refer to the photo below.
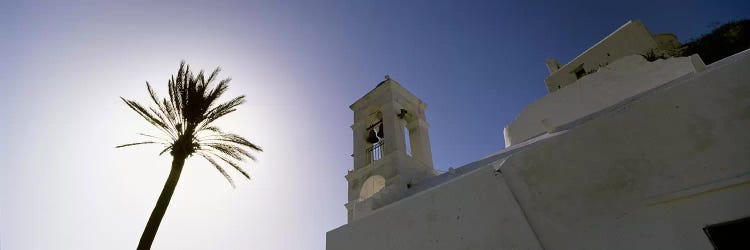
[612,84]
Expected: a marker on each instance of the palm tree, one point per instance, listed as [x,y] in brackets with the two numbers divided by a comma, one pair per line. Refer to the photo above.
[185,121]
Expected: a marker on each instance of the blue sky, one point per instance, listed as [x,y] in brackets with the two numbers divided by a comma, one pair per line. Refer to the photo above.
[63,66]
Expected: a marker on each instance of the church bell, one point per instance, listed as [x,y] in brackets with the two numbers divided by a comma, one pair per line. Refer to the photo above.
[371,137]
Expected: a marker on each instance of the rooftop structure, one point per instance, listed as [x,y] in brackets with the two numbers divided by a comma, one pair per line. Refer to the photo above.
[632,38]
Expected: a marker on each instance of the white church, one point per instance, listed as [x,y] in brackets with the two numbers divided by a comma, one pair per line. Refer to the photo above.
[628,150]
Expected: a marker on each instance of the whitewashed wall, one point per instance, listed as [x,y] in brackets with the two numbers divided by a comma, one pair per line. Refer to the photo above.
[474,211]
[614,83]
[631,39]
[649,174]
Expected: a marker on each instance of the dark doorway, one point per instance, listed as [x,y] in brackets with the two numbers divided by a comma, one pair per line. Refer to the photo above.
[730,235]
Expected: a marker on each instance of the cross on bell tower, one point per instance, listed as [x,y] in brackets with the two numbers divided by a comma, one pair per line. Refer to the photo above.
[391,148]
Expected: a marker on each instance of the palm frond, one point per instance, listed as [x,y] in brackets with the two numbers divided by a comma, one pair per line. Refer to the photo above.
[186,119]
[165,150]
[214,74]
[163,109]
[233,138]
[222,110]
[226,149]
[214,129]
[240,140]
[160,139]
[234,164]
[138,143]
[151,118]
[218,167]
[214,94]
[246,154]
[170,112]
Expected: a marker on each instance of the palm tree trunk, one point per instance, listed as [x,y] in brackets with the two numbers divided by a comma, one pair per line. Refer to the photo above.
[161,205]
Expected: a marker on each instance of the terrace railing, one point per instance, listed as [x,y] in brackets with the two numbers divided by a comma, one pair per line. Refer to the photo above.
[375,152]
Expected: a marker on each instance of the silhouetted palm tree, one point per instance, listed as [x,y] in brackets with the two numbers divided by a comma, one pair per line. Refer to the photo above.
[185,120]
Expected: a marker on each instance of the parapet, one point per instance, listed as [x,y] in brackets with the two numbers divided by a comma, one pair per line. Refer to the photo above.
[609,85]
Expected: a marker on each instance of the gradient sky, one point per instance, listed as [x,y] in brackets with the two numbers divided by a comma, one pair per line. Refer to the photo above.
[64,64]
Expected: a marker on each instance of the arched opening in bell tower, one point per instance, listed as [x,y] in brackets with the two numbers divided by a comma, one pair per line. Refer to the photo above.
[407,140]
[371,186]
[375,137]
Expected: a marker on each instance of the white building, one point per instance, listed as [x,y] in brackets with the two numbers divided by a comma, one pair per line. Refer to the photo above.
[637,155]
[632,38]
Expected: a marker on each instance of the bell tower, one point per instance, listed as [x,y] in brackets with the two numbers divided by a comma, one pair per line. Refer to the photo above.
[391,148]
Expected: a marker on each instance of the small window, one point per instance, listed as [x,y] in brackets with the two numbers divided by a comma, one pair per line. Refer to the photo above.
[580,72]
[729,235]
